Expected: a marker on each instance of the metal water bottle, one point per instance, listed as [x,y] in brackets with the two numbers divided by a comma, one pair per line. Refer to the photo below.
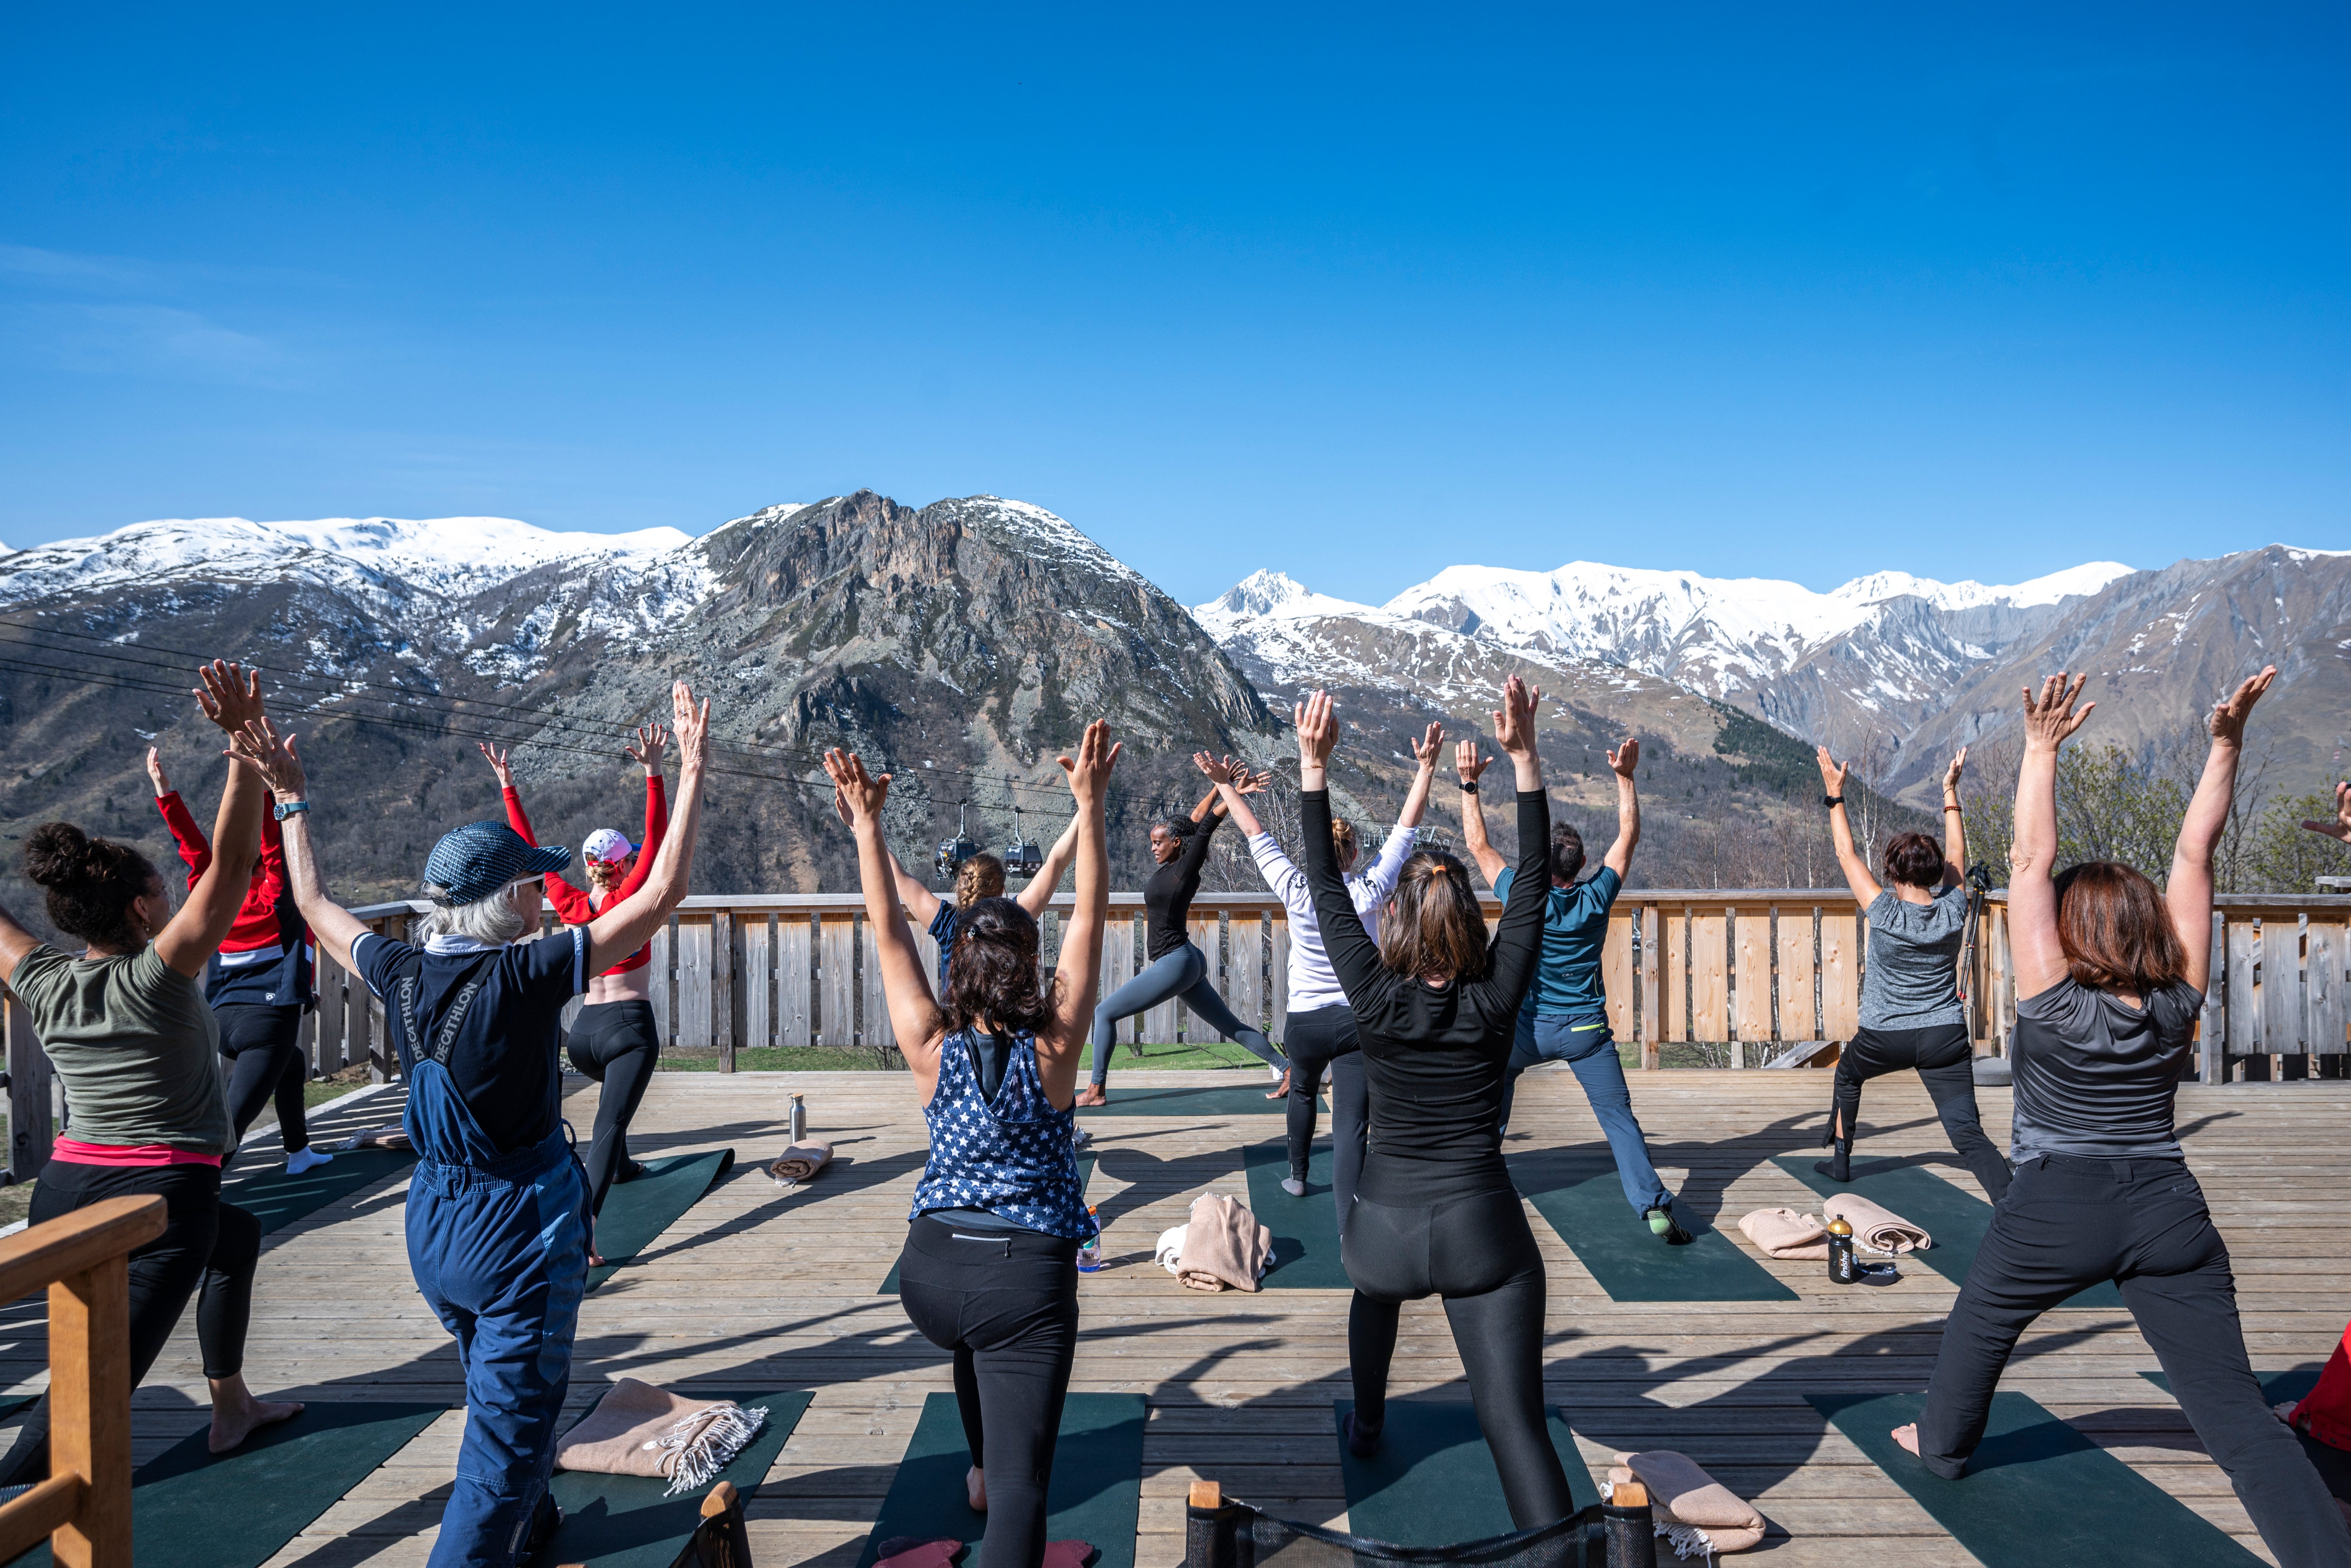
[799,1119]
[1844,1268]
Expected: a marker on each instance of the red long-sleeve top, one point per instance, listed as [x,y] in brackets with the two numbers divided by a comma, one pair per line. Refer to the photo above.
[2325,1411]
[577,906]
[257,917]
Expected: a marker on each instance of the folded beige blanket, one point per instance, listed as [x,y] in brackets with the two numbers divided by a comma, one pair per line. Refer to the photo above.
[1880,1230]
[1784,1233]
[1693,1511]
[799,1162]
[640,1430]
[1224,1246]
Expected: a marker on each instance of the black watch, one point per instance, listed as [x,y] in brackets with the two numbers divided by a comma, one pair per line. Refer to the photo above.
[1832,800]
[1468,786]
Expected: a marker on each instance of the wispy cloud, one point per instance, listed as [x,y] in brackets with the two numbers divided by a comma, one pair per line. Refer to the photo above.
[151,339]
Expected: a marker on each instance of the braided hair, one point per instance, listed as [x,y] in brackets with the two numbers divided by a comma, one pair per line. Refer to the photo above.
[91,884]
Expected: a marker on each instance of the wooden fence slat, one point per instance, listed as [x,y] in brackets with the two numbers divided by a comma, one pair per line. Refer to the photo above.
[1652,1022]
[662,989]
[1709,963]
[2004,977]
[2324,992]
[1753,993]
[837,980]
[1277,967]
[694,981]
[2244,1008]
[757,980]
[1799,1018]
[1617,972]
[795,994]
[877,1033]
[2282,1006]
[1244,971]
[1840,978]
[1677,977]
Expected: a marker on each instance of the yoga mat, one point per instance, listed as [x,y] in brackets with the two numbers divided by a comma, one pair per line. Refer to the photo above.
[2333,1464]
[637,1212]
[2037,1493]
[1085,1179]
[277,1199]
[1305,1229]
[1433,1482]
[194,1509]
[1956,1220]
[1096,1494]
[624,1521]
[1631,1262]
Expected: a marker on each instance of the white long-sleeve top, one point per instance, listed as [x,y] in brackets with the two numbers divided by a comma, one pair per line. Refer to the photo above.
[1311,982]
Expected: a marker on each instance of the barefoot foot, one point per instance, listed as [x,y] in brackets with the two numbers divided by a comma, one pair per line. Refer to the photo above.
[975,1489]
[1092,1095]
[237,1415]
[1280,1091]
[1908,1437]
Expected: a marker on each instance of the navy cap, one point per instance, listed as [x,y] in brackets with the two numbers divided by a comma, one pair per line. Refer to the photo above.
[478,859]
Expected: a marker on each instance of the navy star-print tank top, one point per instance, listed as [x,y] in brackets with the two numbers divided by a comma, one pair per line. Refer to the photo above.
[1011,1155]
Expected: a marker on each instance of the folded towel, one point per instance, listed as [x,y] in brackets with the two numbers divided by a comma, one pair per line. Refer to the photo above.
[1692,1509]
[1878,1229]
[1784,1233]
[799,1163]
[1169,1253]
[1224,1246]
[640,1430]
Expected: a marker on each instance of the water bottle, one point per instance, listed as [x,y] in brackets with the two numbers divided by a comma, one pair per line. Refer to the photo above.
[799,1119]
[1089,1252]
[1843,1266]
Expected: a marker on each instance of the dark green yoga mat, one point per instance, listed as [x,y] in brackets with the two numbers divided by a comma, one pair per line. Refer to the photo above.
[1191,1102]
[1085,1179]
[1096,1495]
[2333,1464]
[1305,1229]
[277,1199]
[637,1212]
[1631,1262]
[192,1508]
[625,1521]
[1956,1220]
[1433,1482]
[2037,1493]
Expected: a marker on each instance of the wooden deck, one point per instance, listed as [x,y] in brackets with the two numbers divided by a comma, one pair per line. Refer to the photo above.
[760,1288]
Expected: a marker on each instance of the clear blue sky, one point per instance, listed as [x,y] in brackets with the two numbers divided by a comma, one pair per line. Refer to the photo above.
[1964,291]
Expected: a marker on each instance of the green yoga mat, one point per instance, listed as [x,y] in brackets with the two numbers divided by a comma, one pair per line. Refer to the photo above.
[637,1212]
[1096,1495]
[2333,1464]
[1305,1229]
[194,1509]
[1085,1179]
[1956,1220]
[277,1199]
[625,1521]
[1632,1262]
[1192,1102]
[2037,1493]
[1433,1482]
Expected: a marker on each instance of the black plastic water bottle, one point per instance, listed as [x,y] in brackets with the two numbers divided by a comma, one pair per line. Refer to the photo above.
[1844,1268]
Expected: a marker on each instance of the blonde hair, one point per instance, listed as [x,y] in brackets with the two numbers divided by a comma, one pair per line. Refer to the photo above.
[982,876]
[1342,840]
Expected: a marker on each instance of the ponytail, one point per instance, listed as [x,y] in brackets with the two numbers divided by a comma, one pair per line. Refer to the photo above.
[1434,925]
[91,884]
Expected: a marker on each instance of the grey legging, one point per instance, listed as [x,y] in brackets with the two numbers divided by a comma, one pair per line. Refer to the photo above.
[1183,973]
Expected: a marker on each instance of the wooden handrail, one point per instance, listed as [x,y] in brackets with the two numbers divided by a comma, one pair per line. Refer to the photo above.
[84,1507]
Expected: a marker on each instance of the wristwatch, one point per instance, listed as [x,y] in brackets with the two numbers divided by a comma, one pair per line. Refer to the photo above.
[1468,786]
[1832,800]
[289,809]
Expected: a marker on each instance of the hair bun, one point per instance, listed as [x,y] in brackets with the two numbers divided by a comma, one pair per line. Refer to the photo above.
[57,853]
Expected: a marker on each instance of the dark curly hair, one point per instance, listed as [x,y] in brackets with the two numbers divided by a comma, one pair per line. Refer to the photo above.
[90,881]
[992,973]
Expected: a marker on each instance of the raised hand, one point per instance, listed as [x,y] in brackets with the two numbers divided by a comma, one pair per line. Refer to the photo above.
[1952,774]
[692,725]
[1089,770]
[863,793]
[2229,714]
[1468,763]
[500,762]
[841,808]
[1514,721]
[1627,757]
[2340,827]
[1833,772]
[1223,770]
[1424,751]
[2050,719]
[156,773]
[646,753]
[1248,783]
[260,746]
[230,696]
[1318,732]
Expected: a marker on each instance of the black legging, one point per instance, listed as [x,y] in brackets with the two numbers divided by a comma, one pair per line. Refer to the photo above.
[1006,1303]
[1478,1253]
[204,1242]
[1316,1042]
[264,1057]
[1944,1059]
[614,1044]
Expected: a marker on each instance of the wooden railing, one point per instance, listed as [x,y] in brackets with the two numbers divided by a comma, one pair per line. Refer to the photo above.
[84,1507]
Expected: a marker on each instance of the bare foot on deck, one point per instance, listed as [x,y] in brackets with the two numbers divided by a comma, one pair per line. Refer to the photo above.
[975,1490]
[237,1415]
[1281,1090]
[1908,1437]
[595,1259]
[1093,1095]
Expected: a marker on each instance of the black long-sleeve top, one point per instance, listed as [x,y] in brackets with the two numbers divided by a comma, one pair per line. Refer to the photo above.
[1434,1055]
[1168,891]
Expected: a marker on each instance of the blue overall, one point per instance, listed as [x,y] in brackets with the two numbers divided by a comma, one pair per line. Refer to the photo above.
[498,1245]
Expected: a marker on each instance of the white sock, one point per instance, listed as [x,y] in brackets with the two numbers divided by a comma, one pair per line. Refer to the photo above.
[303,1159]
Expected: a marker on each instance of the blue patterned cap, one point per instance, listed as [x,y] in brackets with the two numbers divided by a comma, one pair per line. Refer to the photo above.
[478,859]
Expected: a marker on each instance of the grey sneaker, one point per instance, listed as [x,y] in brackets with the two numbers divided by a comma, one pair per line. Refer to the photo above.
[1293,1186]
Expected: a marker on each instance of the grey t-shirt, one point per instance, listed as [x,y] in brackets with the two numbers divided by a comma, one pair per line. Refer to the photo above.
[1912,978]
[2096,1076]
[135,1046]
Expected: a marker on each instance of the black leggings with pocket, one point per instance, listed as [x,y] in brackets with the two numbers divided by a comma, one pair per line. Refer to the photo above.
[206,1243]
[1478,1254]
[1946,1062]
[614,1044]
[1006,1303]
[263,1045]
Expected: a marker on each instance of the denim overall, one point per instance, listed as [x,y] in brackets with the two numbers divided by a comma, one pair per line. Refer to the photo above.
[498,1245]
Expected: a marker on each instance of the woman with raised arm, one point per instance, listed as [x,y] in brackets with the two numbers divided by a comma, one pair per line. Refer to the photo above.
[1911,1015]
[614,1039]
[136,1048]
[1319,1031]
[258,983]
[2110,973]
[990,1267]
[980,877]
[1178,969]
[1437,1008]
[498,1207]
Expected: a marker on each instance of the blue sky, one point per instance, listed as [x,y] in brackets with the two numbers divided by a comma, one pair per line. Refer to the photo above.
[1357,294]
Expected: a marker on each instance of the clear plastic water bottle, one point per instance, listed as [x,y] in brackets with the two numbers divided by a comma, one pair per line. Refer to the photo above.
[1089,1252]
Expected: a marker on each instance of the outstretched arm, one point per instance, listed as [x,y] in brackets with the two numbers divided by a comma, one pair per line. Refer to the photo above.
[1077,976]
[2189,893]
[913,1011]
[1955,823]
[231,697]
[1355,956]
[1424,754]
[277,760]
[647,754]
[914,894]
[1469,765]
[196,851]
[628,924]
[2339,825]
[1518,938]
[1048,880]
[2050,720]
[1621,762]
[1833,775]
[1223,772]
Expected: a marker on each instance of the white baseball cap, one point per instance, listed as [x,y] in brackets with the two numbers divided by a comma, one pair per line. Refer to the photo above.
[606,847]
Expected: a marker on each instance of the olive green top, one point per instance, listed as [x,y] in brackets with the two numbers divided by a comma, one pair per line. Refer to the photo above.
[135,1044]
